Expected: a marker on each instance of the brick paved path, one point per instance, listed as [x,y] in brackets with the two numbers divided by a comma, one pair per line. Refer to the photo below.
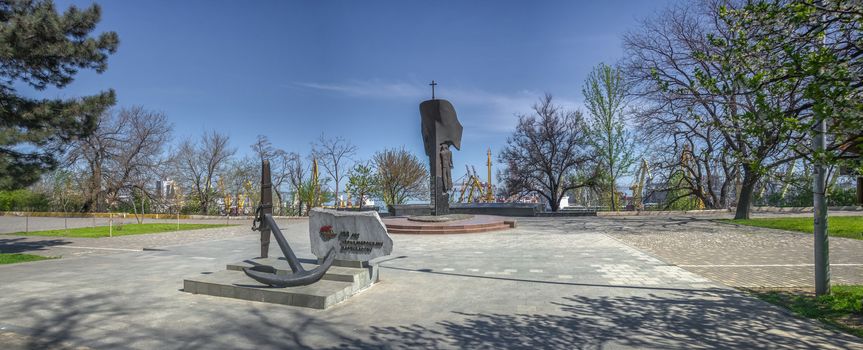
[739,256]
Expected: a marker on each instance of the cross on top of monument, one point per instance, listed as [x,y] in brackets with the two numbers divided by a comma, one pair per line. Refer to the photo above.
[433,84]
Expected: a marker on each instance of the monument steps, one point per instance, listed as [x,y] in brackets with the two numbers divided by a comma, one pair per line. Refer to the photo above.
[360,278]
[337,285]
[235,284]
[472,224]
[447,229]
[454,226]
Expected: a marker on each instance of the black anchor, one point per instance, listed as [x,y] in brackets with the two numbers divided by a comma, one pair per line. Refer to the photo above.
[267,274]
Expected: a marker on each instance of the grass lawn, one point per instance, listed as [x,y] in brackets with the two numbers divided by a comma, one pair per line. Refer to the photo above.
[842,308]
[837,226]
[126,229]
[9,258]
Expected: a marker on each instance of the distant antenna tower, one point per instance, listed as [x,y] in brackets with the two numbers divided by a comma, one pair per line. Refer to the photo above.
[489,196]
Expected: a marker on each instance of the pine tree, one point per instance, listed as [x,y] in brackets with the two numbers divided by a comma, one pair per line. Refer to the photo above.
[41,48]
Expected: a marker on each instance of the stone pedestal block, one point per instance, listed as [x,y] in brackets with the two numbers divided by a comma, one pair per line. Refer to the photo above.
[338,284]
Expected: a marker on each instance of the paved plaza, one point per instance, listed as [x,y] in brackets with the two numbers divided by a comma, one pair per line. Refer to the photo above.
[735,255]
[609,283]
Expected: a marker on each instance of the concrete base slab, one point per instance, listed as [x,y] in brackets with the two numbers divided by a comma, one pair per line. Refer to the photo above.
[361,277]
[338,284]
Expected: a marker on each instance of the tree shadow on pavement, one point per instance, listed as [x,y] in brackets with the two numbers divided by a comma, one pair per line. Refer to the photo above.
[713,319]
[23,245]
[103,320]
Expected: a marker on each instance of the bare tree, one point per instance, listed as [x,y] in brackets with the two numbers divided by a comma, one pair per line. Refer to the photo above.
[689,160]
[709,95]
[198,163]
[333,154]
[401,176]
[242,177]
[65,196]
[545,152]
[680,139]
[295,172]
[123,152]
[263,147]
[281,163]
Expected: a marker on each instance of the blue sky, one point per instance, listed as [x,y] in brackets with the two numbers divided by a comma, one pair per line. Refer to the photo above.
[292,70]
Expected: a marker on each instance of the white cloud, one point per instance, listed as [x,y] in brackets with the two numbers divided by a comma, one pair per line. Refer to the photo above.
[491,113]
[370,88]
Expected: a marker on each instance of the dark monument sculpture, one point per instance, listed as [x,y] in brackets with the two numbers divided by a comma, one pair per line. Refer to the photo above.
[446,167]
[265,223]
[441,129]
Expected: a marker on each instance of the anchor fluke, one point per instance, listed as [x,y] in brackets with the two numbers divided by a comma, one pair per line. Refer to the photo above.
[299,276]
[267,274]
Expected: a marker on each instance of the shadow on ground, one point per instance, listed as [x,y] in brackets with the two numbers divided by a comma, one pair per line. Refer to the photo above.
[22,245]
[691,320]
[713,319]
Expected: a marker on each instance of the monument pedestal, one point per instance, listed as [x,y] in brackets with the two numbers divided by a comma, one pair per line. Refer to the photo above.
[467,224]
[439,199]
[337,285]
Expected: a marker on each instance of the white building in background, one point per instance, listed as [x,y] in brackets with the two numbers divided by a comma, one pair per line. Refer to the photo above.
[165,189]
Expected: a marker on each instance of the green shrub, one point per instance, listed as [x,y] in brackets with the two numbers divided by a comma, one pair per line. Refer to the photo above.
[24,200]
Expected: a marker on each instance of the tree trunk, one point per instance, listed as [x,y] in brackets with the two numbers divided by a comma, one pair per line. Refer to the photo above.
[613,195]
[281,204]
[336,198]
[860,190]
[94,202]
[135,208]
[554,199]
[747,188]
[204,201]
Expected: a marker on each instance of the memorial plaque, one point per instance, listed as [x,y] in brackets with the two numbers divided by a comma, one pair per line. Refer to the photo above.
[356,236]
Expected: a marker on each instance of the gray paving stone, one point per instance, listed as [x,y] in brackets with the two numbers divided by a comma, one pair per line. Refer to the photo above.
[415,305]
[734,255]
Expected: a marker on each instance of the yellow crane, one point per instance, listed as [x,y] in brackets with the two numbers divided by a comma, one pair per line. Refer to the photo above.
[247,192]
[315,184]
[472,185]
[475,184]
[227,197]
[474,188]
[241,200]
[465,184]
[243,196]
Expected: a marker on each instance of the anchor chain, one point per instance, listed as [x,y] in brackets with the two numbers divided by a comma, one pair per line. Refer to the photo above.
[257,222]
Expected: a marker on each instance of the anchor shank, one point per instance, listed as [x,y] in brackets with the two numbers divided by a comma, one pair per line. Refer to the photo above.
[283,243]
[266,206]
